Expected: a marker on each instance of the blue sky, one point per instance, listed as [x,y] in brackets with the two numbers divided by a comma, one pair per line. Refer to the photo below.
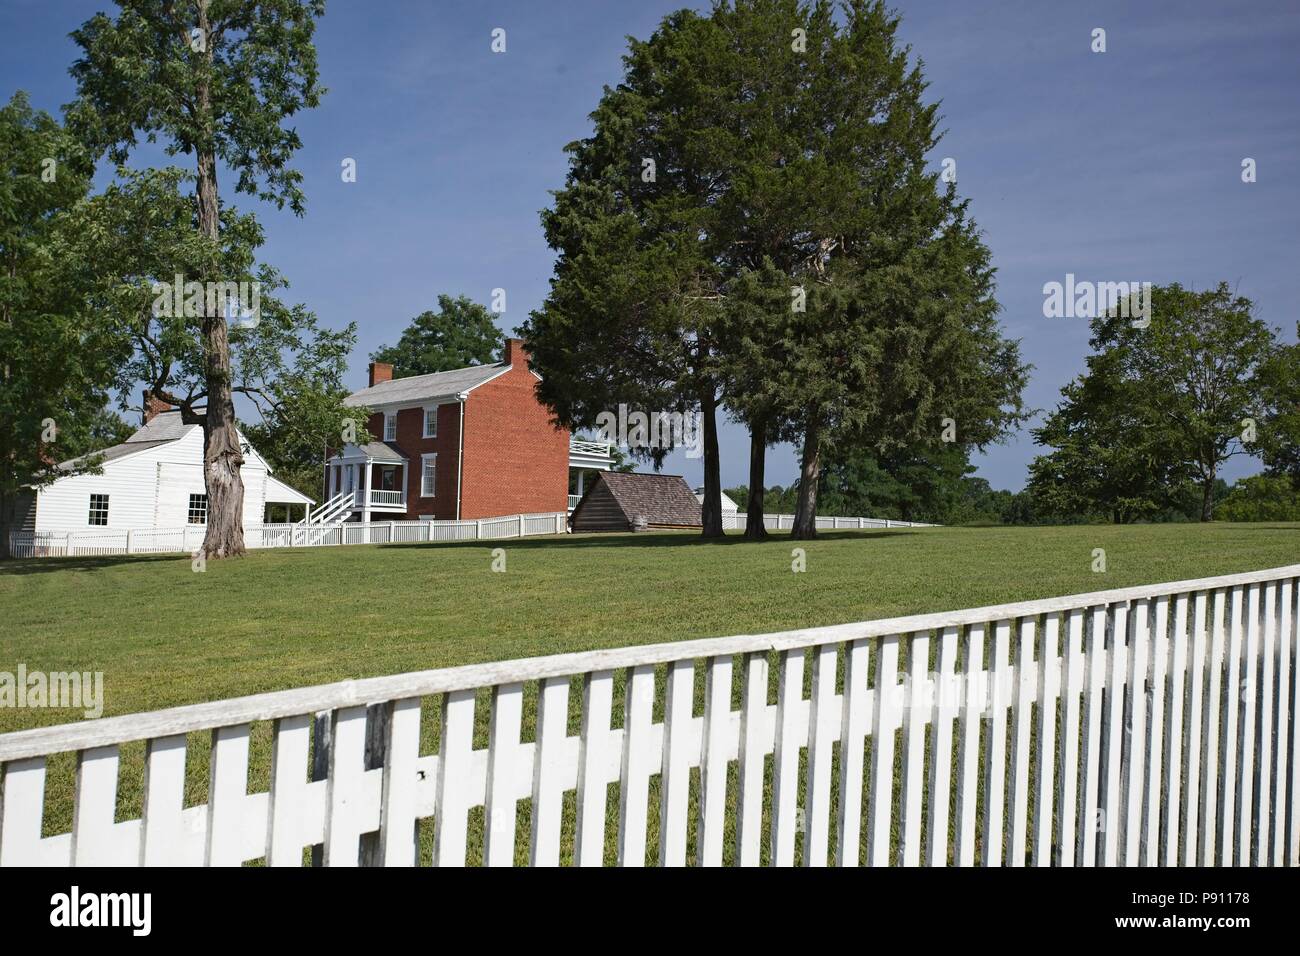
[1123,165]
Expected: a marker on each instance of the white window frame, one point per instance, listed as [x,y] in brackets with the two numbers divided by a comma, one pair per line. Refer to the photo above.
[191,511]
[426,433]
[427,479]
[390,426]
[92,511]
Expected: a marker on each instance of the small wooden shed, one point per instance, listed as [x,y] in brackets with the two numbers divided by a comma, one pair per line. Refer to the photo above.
[619,501]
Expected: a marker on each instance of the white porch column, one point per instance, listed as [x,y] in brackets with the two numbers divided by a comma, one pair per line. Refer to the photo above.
[581,474]
[365,501]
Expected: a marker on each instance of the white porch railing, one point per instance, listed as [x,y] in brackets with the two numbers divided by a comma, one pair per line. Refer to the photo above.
[383,497]
[573,502]
[1148,725]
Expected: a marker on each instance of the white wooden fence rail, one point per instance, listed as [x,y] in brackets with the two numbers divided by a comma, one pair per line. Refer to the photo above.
[1151,725]
[96,543]
[113,541]
[784,522]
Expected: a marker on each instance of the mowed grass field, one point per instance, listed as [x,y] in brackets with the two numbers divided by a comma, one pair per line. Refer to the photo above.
[165,635]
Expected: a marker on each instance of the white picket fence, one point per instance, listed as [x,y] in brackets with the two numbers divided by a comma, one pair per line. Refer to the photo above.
[95,543]
[1150,725]
[782,522]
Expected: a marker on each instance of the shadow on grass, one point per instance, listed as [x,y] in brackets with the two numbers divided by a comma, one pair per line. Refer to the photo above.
[37,565]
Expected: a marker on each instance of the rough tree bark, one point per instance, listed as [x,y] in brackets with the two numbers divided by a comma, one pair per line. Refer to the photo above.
[805,517]
[1207,495]
[222,456]
[711,508]
[755,530]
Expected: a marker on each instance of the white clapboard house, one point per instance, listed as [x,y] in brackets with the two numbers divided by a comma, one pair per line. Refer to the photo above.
[153,480]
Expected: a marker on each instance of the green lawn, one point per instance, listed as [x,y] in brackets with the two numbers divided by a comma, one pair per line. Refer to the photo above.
[165,635]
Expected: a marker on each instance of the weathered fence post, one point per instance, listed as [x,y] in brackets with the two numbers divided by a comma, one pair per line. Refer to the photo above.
[377,718]
[320,767]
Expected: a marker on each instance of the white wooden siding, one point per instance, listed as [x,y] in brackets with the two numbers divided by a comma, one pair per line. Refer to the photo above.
[148,489]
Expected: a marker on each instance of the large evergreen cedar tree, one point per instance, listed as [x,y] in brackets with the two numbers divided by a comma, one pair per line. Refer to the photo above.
[214,80]
[57,358]
[773,168]
[1159,408]
[459,334]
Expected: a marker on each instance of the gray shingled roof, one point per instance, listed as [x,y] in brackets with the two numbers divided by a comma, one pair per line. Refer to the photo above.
[423,388]
[383,451]
[660,499]
[163,428]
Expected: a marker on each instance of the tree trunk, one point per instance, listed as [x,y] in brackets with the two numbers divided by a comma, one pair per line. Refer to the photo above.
[755,530]
[711,507]
[222,456]
[6,510]
[1207,496]
[805,517]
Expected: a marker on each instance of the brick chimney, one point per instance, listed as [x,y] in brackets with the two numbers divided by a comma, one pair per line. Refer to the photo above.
[153,407]
[516,353]
[380,372]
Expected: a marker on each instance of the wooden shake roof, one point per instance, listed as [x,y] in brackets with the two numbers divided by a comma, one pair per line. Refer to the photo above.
[663,500]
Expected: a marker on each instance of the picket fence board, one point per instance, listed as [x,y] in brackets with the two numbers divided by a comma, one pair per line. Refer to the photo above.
[1249,686]
[1210,741]
[942,713]
[854,714]
[995,782]
[548,780]
[968,759]
[1139,652]
[676,779]
[1068,790]
[1262,845]
[752,757]
[880,830]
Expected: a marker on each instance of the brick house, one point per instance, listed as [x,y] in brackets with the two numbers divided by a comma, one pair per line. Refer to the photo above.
[466,443]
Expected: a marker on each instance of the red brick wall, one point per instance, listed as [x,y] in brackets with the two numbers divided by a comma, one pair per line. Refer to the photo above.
[411,440]
[516,461]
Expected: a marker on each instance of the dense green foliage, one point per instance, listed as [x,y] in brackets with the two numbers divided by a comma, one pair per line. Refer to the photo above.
[459,334]
[57,356]
[752,222]
[1159,407]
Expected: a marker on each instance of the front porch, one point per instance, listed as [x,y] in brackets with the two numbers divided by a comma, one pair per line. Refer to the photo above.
[586,455]
[377,475]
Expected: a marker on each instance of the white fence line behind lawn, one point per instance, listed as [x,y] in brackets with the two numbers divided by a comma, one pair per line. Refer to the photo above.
[112,541]
[27,544]
[784,522]
[1147,725]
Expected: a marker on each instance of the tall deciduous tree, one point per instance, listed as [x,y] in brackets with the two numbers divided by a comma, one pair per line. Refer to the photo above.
[1279,432]
[215,80]
[57,358]
[1159,406]
[137,232]
[459,334]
